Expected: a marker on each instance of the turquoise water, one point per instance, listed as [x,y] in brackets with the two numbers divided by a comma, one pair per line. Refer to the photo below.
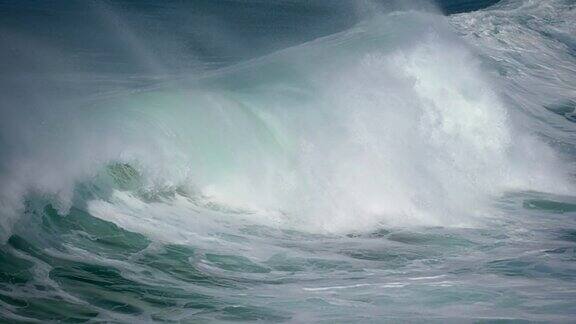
[86,269]
[288,161]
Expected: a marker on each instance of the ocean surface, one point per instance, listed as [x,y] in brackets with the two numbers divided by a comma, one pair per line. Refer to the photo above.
[287,161]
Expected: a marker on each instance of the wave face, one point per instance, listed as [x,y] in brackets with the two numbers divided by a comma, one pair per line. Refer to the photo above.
[372,157]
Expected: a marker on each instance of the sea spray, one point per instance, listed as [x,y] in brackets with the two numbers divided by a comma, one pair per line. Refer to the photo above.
[411,166]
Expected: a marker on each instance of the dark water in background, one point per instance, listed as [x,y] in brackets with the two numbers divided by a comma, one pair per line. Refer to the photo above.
[111,33]
[408,168]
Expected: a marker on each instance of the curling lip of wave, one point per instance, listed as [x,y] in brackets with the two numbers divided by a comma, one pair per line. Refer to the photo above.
[365,128]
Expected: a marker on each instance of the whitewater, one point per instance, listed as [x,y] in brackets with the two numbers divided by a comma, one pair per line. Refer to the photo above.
[287,161]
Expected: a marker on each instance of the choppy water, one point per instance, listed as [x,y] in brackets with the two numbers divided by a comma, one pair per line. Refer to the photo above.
[287,161]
